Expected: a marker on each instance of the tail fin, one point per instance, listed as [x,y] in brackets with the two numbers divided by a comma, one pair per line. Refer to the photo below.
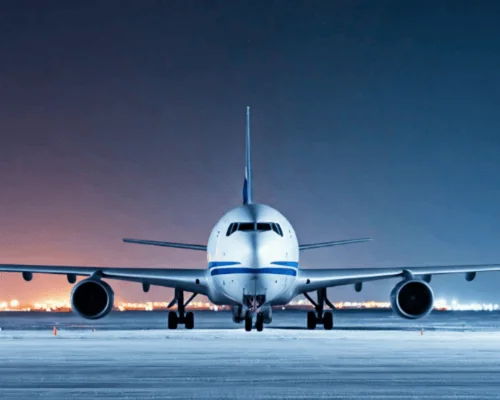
[247,185]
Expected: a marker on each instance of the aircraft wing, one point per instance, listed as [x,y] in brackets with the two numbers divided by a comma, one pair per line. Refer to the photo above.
[309,280]
[191,280]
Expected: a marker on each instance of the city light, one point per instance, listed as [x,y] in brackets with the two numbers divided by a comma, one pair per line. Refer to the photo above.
[65,306]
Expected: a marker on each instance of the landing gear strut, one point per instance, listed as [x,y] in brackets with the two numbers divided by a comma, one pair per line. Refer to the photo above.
[319,316]
[180,316]
[255,307]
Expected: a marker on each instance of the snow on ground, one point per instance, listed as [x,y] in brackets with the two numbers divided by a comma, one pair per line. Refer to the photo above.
[279,363]
[227,364]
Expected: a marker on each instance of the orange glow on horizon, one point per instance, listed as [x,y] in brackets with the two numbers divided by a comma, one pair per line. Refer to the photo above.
[63,305]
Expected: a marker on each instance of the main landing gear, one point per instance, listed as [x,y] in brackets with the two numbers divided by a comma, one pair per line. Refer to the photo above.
[319,316]
[180,316]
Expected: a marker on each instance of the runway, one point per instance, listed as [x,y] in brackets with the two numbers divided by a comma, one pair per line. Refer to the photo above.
[370,355]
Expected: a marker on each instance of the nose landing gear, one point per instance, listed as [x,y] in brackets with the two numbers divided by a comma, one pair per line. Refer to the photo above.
[318,316]
[259,321]
[180,317]
[255,305]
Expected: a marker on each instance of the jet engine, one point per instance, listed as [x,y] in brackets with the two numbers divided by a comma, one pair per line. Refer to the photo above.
[92,299]
[238,313]
[412,299]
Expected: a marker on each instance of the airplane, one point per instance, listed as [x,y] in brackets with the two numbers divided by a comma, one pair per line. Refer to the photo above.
[253,265]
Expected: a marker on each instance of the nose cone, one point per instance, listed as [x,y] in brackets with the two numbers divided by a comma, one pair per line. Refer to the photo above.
[264,283]
[248,249]
[265,247]
[258,249]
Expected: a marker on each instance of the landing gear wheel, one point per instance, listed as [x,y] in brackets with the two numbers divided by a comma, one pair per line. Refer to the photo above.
[189,323]
[259,323]
[173,320]
[248,322]
[328,321]
[311,320]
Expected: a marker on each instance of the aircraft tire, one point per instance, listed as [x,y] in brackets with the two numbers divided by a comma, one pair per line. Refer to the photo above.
[248,323]
[173,320]
[328,321]
[259,323]
[189,324]
[311,320]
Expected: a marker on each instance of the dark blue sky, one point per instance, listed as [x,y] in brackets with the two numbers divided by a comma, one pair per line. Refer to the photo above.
[368,119]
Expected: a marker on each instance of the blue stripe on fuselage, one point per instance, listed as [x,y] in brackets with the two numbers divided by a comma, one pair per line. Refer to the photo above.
[241,270]
[215,264]
[293,264]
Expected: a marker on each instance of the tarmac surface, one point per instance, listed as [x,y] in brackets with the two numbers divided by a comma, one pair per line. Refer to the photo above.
[369,354]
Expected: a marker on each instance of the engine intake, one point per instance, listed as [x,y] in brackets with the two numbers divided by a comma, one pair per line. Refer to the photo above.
[412,299]
[92,299]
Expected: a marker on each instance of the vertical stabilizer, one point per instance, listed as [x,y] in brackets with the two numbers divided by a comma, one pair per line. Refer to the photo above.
[247,185]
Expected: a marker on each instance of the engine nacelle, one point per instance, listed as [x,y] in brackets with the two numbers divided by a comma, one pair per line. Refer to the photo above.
[267,311]
[92,299]
[238,313]
[412,299]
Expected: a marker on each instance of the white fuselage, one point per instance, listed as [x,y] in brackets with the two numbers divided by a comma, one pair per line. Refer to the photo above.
[252,260]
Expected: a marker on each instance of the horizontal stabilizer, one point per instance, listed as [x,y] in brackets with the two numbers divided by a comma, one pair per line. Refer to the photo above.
[187,246]
[334,243]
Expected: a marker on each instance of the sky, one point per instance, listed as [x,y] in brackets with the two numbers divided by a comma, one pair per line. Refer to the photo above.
[126,119]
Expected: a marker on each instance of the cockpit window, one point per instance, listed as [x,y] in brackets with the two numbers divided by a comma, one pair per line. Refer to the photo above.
[254,227]
[231,229]
[263,226]
[277,229]
[246,227]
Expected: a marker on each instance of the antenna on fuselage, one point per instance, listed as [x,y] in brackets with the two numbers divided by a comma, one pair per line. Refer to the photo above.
[247,184]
